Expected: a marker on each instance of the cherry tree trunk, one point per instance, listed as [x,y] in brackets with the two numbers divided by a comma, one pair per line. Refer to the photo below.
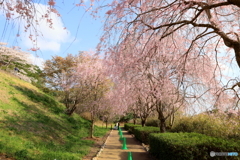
[143,122]
[235,2]
[70,111]
[237,54]
[162,125]
[92,129]
[106,124]
[171,121]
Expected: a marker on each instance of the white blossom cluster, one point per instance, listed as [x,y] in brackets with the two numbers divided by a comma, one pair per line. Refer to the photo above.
[9,56]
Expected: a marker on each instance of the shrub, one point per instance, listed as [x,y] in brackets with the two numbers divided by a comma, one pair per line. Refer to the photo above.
[208,125]
[126,118]
[130,127]
[142,133]
[189,146]
[137,121]
[153,122]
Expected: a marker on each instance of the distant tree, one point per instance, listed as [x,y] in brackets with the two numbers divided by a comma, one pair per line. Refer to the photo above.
[91,74]
[107,113]
[19,63]
[105,117]
[145,107]
[8,56]
[57,70]
[59,76]
[134,111]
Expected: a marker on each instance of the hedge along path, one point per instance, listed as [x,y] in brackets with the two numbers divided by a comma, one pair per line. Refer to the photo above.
[113,148]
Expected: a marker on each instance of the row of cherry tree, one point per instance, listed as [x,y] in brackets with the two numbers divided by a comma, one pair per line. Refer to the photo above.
[169,54]
[167,57]
[83,85]
[157,77]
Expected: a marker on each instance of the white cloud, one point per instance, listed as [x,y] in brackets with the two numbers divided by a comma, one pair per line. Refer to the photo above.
[37,60]
[49,45]
[49,39]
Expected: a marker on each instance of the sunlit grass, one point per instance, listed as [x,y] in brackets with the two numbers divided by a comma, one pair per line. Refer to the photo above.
[33,125]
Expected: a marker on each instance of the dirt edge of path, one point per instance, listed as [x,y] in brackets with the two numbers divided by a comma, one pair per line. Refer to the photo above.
[98,143]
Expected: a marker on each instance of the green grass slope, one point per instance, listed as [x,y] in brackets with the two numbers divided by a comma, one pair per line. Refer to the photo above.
[33,125]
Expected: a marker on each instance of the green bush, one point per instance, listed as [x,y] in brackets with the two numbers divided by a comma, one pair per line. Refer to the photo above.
[137,121]
[209,125]
[130,127]
[126,118]
[191,146]
[142,133]
[153,122]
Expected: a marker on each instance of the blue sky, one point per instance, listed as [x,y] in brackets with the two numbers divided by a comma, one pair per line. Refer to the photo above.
[81,34]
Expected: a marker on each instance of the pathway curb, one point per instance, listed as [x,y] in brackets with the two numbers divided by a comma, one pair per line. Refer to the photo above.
[102,147]
[144,145]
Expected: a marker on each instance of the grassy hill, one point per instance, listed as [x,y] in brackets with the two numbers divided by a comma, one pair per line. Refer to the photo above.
[33,124]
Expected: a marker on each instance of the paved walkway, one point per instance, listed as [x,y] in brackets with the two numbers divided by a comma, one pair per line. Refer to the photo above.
[113,151]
